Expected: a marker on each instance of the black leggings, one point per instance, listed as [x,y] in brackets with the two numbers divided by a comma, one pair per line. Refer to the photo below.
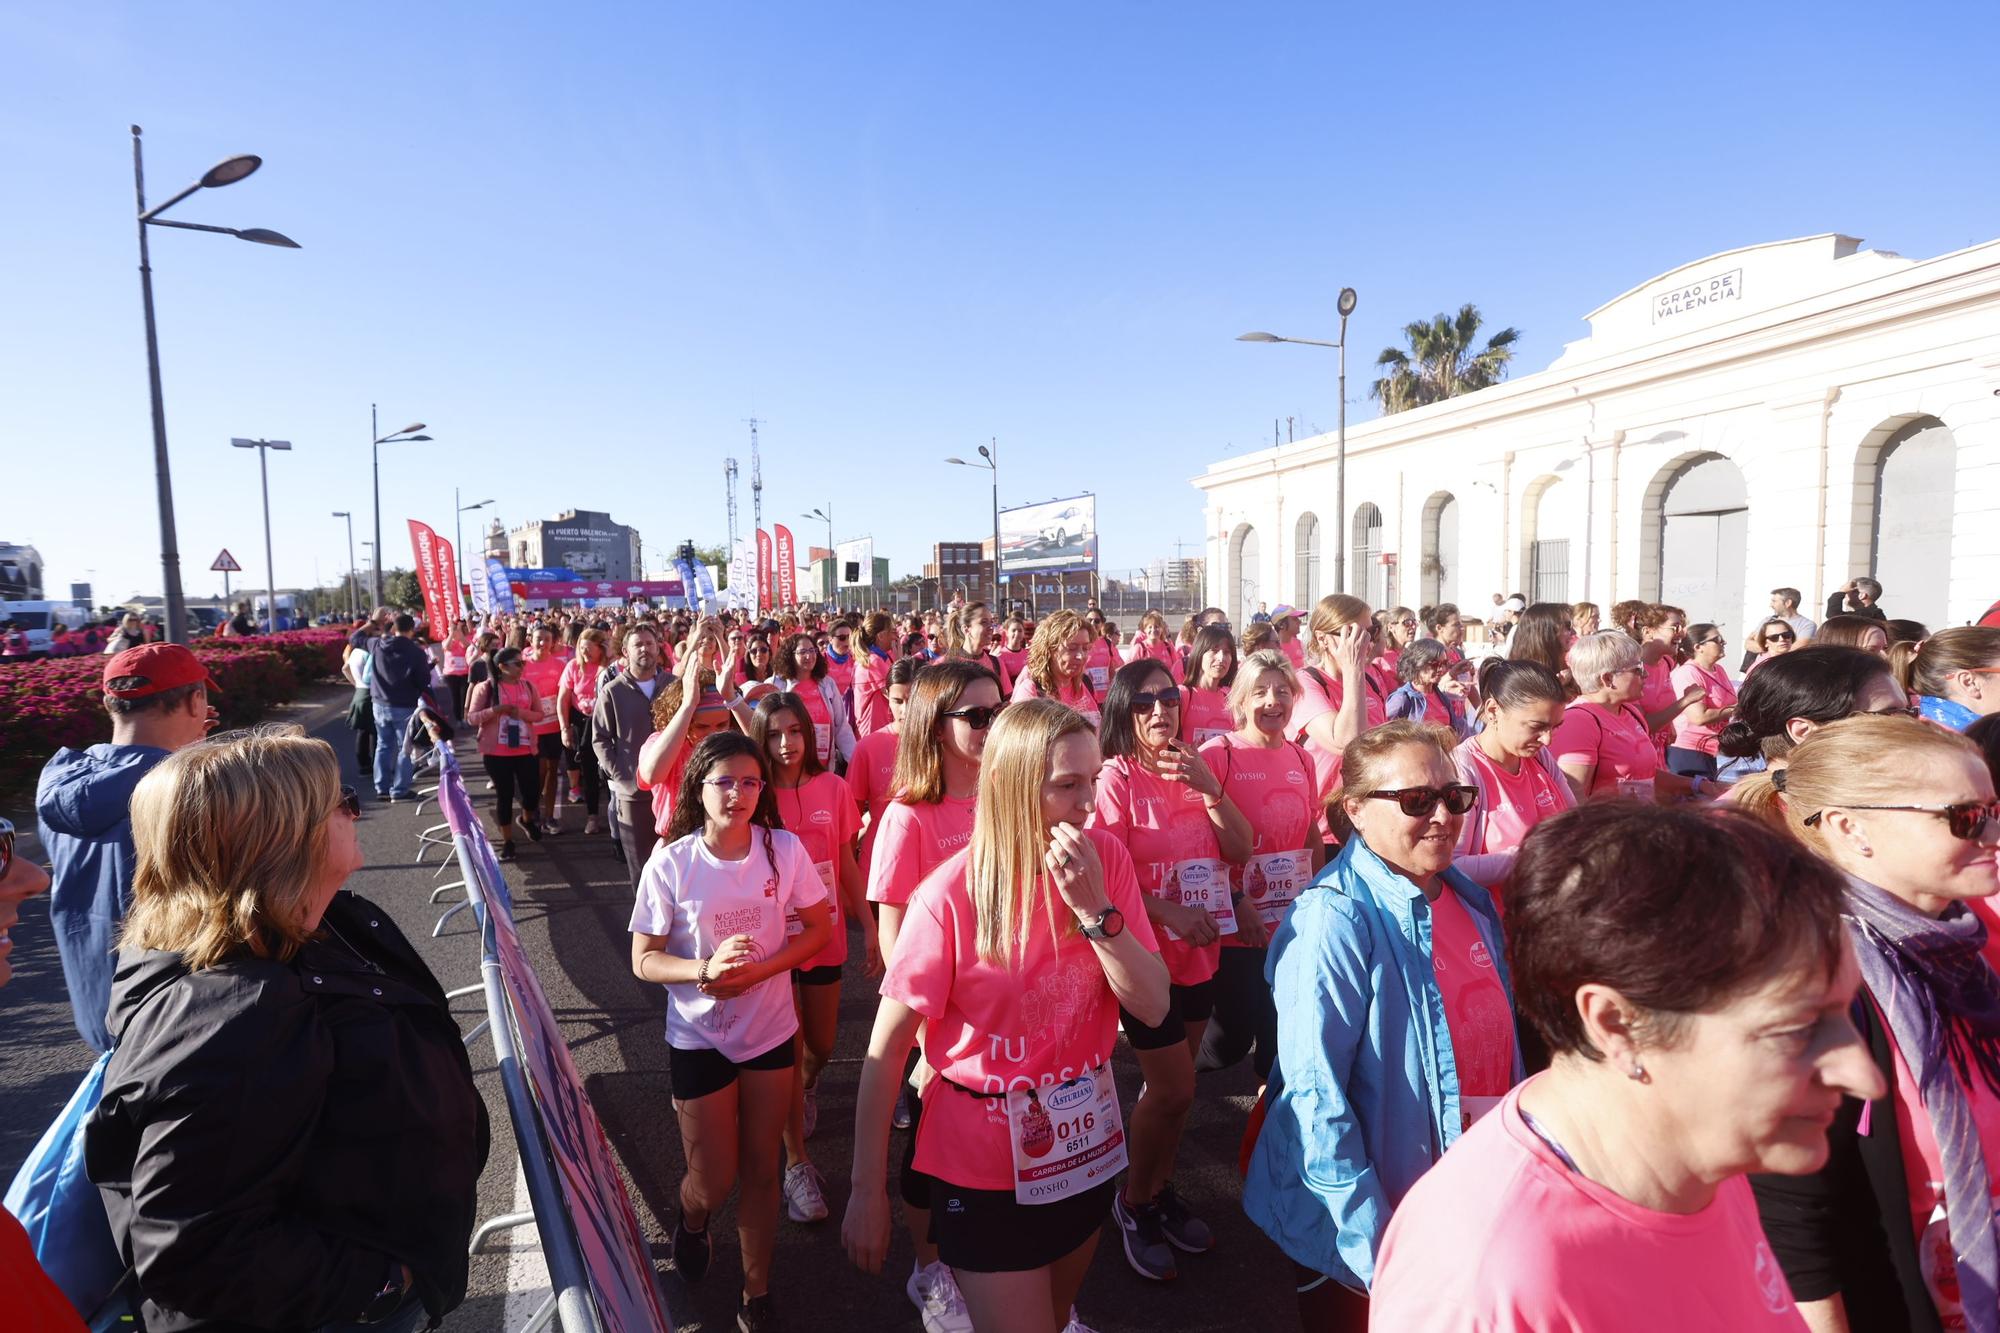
[583,758]
[511,773]
[1246,1015]
[456,684]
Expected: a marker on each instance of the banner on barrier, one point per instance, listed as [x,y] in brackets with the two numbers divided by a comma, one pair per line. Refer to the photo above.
[616,1259]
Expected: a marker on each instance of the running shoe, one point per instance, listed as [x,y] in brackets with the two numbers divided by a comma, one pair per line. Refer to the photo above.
[812,1109]
[805,1200]
[934,1291]
[1146,1246]
[507,850]
[691,1251]
[576,796]
[593,825]
[1076,1324]
[756,1314]
[905,1116]
[529,827]
[1184,1230]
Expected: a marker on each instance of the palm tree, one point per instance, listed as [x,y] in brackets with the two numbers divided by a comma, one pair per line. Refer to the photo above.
[1442,361]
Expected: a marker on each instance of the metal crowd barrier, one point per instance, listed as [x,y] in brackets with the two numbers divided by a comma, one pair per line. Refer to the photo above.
[600,1269]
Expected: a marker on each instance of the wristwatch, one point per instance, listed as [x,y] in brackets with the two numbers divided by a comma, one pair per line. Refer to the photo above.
[1106,925]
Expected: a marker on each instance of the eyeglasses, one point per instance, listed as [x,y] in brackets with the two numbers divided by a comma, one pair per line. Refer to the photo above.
[748,786]
[979,717]
[1964,820]
[350,801]
[1420,802]
[1146,701]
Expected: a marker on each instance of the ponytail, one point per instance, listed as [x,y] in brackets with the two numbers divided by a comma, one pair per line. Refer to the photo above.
[1925,668]
[1903,665]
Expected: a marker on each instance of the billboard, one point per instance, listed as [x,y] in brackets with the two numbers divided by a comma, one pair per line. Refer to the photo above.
[1049,537]
[592,551]
[854,563]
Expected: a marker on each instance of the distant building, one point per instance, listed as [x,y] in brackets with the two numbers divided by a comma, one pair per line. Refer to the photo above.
[583,540]
[1174,577]
[957,567]
[495,547]
[20,573]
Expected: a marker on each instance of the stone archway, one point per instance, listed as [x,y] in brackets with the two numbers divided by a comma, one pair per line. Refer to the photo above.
[1306,557]
[1906,481]
[1695,534]
[1439,567]
[1367,576]
[1242,584]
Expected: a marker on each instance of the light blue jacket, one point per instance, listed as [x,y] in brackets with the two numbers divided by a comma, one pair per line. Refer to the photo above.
[1363,1096]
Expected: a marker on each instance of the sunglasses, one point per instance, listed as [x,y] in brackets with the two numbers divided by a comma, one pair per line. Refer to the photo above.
[1781,638]
[979,717]
[1966,820]
[350,801]
[1420,802]
[1146,701]
[748,786]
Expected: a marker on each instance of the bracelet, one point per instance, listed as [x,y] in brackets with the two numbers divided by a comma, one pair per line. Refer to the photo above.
[701,974]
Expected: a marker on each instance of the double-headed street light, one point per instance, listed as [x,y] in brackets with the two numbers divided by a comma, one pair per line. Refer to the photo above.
[263,448]
[1346,307]
[458,551]
[226,172]
[353,573]
[992,464]
[832,556]
[407,435]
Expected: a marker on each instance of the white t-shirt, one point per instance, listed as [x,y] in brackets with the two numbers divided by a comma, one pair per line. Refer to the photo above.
[697,901]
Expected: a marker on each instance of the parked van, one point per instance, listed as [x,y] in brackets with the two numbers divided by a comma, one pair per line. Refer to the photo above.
[37,618]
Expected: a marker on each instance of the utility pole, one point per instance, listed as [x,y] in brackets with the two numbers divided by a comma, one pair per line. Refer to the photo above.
[756,479]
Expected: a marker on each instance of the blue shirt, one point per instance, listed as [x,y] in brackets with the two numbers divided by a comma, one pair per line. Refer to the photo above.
[1945,712]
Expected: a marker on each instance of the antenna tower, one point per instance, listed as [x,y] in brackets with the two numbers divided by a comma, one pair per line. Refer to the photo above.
[729,477]
[756,478]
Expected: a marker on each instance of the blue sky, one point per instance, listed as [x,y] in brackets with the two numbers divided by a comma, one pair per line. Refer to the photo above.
[584,242]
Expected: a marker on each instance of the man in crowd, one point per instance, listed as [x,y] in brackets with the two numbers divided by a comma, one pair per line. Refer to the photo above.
[1785,605]
[399,673]
[1857,597]
[620,725]
[157,696]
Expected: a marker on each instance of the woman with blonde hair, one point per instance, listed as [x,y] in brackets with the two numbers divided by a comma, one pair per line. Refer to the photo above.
[1395,1022]
[1954,675]
[1585,618]
[1014,962]
[1154,642]
[1870,636]
[1602,745]
[1335,702]
[269,1025]
[1896,1229]
[1662,638]
[1058,658]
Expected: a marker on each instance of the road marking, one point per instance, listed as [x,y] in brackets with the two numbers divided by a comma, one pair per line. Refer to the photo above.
[527,1271]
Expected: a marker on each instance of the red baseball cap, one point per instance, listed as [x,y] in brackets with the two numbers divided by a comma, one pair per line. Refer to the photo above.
[160,666]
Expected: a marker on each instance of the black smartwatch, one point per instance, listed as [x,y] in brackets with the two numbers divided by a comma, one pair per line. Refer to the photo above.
[1106,925]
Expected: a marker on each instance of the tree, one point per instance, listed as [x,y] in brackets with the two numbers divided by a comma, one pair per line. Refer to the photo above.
[401,590]
[1442,361]
[718,556]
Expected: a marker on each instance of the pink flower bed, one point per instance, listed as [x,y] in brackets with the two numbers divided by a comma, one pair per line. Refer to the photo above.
[56,702]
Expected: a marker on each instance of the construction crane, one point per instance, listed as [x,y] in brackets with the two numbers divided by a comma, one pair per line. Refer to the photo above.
[729,477]
[756,478]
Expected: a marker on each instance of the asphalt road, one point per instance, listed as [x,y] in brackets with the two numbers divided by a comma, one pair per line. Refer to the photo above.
[571,907]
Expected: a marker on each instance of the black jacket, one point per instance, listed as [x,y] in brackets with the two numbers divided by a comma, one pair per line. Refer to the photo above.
[402,671]
[275,1138]
[1843,604]
[1845,1229]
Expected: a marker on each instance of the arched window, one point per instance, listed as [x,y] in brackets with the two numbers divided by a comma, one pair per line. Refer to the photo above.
[1305,580]
[1440,550]
[1916,475]
[1367,576]
[1704,534]
[1242,587]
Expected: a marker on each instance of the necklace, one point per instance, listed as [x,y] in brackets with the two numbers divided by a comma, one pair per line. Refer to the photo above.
[349,947]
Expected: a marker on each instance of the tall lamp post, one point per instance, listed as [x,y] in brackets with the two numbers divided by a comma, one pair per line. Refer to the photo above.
[263,448]
[992,464]
[407,435]
[832,557]
[458,536]
[1346,307]
[226,172]
[353,574]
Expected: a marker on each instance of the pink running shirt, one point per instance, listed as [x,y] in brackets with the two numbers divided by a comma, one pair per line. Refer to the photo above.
[871,776]
[1161,824]
[1274,790]
[1205,715]
[915,840]
[1476,1011]
[822,813]
[1615,741]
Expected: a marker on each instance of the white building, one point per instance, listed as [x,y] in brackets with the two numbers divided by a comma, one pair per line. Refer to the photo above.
[1789,414]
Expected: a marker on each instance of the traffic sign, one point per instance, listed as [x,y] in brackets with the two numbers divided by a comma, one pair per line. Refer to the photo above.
[227,563]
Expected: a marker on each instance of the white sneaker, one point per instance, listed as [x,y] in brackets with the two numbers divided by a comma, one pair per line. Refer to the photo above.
[805,1201]
[1076,1324]
[934,1291]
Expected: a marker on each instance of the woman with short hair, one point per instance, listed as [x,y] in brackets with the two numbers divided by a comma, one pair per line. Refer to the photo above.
[1395,1023]
[1696,727]
[1687,973]
[289,1136]
[1774,638]
[1954,675]
[1894,1227]
[1021,1124]
[1427,692]
[1058,662]
[1509,764]
[1602,745]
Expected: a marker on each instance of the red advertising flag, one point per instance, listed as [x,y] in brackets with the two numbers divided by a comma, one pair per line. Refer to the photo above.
[763,571]
[454,591]
[423,545]
[788,572]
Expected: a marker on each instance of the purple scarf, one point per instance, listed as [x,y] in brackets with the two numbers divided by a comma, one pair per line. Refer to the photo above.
[1942,1001]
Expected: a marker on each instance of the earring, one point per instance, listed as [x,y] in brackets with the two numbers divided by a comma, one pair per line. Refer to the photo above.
[1638,1072]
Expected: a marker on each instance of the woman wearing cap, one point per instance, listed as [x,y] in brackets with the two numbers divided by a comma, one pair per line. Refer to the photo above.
[289,1136]
[1058,664]
[1509,764]
[1954,675]
[1269,778]
[1015,962]
[1395,1023]
[1284,623]
[1602,745]
[1687,973]
[1896,1229]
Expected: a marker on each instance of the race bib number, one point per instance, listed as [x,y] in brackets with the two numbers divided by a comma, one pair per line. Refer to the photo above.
[454,664]
[1067,1139]
[548,702]
[1100,679]
[1203,735]
[511,735]
[1205,884]
[1637,789]
[823,738]
[1272,881]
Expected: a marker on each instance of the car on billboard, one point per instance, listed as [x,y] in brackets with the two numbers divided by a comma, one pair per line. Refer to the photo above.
[1060,527]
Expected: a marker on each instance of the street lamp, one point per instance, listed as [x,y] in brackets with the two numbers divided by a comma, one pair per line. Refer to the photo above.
[458,551]
[832,556]
[353,574]
[406,435]
[1346,307]
[226,172]
[992,464]
[263,448]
